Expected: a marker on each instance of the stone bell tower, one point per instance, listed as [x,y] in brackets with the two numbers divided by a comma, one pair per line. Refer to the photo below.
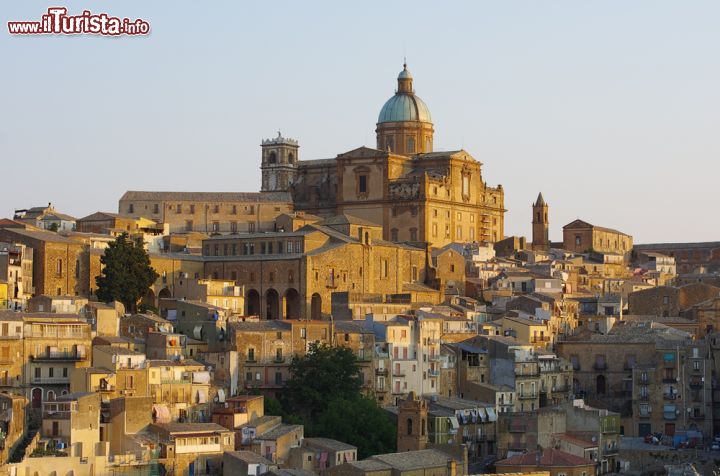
[412,434]
[279,163]
[540,225]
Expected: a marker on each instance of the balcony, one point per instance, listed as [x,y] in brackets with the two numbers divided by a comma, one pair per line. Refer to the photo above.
[600,366]
[398,373]
[644,398]
[696,384]
[669,380]
[59,357]
[561,389]
[697,416]
[613,451]
[643,379]
[669,396]
[278,360]
[381,372]
[540,339]
[669,416]
[50,380]
[527,396]
[433,373]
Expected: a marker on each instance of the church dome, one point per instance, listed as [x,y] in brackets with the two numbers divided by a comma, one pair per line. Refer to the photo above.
[404,105]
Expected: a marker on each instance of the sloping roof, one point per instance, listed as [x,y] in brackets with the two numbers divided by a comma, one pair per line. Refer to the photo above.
[209,196]
[48,236]
[546,458]
[583,224]
[335,445]
[412,460]
[345,219]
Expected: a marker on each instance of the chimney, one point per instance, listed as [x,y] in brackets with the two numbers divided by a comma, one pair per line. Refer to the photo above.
[452,467]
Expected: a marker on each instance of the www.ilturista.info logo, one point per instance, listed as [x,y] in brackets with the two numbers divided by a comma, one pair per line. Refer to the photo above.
[58,22]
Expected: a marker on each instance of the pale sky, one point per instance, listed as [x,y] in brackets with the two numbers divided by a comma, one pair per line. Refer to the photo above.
[610,108]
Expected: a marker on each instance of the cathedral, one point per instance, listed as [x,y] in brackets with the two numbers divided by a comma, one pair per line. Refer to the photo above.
[413,192]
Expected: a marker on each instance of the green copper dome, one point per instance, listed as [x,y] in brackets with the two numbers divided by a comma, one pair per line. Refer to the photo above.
[404,105]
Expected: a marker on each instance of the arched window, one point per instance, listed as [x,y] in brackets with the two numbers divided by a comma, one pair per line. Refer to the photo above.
[272,157]
[411,145]
[409,426]
[291,157]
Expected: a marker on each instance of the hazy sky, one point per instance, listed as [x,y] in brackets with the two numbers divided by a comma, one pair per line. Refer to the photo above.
[610,108]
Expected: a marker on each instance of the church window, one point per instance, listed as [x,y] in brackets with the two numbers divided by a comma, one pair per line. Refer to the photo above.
[178,208]
[291,157]
[578,240]
[192,208]
[447,214]
[458,233]
[411,145]
[472,218]
[272,158]
[216,226]
[233,210]
[428,144]
[434,229]
[131,208]
[472,234]
[389,145]
[394,234]
[466,186]
[435,190]
[384,269]
[188,225]
[459,216]
[362,183]
[156,208]
[413,234]
[409,426]
[447,231]
[233,226]
[435,213]
[216,208]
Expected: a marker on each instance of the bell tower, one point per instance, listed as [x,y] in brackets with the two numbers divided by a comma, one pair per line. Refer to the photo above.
[540,225]
[279,163]
[412,434]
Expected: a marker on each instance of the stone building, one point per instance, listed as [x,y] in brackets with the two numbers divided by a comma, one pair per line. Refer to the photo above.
[700,258]
[412,426]
[670,300]
[12,352]
[411,191]
[16,269]
[192,448]
[294,274]
[208,212]
[580,237]
[53,346]
[416,194]
[58,262]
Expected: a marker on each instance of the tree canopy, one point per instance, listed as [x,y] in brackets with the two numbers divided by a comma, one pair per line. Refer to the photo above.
[324,393]
[323,372]
[126,274]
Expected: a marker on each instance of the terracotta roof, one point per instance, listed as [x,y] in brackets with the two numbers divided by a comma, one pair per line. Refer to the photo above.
[546,458]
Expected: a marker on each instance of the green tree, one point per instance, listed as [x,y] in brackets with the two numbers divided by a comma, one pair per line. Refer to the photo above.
[126,274]
[324,372]
[358,421]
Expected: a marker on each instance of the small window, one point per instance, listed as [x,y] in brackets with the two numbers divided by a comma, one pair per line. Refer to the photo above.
[362,184]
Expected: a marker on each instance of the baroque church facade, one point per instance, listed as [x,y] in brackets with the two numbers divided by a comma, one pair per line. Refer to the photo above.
[414,193]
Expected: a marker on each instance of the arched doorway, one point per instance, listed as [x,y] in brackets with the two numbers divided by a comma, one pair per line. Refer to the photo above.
[316,307]
[600,385]
[36,397]
[272,302]
[292,304]
[51,396]
[149,298]
[252,301]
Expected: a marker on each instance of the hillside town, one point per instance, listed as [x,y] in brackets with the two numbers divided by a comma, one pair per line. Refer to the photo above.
[485,353]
